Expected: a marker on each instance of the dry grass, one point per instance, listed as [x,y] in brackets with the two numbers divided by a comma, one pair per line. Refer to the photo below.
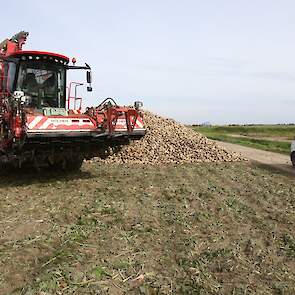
[115,229]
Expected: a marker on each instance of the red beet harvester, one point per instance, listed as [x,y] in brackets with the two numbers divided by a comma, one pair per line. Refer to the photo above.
[41,119]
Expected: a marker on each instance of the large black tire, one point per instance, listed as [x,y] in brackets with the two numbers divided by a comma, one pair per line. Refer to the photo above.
[293,159]
[67,165]
[73,165]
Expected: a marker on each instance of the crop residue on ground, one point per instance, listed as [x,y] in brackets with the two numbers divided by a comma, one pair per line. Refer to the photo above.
[223,228]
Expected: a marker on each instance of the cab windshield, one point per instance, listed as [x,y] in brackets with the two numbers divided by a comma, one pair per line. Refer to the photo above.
[43,83]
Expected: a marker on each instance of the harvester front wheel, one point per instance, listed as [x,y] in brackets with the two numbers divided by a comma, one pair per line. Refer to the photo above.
[293,159]
[69,165]
[73,165]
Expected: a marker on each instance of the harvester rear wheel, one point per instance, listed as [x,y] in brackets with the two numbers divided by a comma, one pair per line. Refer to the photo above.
[293,159]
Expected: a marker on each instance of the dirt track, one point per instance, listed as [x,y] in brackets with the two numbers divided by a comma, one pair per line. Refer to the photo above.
[273,160]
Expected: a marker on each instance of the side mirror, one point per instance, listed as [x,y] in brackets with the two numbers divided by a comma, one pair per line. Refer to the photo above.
[89,77]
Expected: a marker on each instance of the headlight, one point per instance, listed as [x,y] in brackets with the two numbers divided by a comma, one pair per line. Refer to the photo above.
[18,94]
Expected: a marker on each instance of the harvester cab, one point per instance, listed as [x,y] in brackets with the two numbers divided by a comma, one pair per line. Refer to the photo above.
[41,117]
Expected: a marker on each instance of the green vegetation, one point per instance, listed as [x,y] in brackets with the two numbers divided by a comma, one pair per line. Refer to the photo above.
[278,131]
[274,138]
[117,229]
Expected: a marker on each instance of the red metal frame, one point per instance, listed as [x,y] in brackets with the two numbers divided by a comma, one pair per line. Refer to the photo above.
[13,45]
[74,98]
[111,115]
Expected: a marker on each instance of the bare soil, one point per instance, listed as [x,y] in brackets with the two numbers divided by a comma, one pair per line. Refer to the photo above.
[224,228]
[274,160]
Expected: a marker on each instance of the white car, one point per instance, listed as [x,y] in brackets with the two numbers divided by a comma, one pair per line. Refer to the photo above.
[293,153]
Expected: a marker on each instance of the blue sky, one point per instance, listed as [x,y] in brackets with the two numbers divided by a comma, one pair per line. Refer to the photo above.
[223,61]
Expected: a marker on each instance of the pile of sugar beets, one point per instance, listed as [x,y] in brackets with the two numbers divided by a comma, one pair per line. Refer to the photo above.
[168,142]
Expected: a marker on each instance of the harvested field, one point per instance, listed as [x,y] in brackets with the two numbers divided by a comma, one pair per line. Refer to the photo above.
[169,142]
[215,228]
